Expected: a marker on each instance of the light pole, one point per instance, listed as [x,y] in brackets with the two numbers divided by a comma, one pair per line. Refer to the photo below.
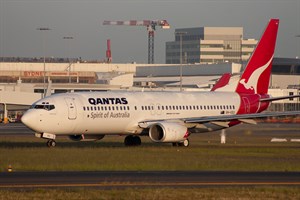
[43,29]
[180,55]
[69,46]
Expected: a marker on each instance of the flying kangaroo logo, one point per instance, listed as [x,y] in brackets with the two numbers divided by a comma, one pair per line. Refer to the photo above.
[253,79]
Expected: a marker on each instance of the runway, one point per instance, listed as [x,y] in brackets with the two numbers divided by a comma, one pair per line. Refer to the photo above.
[122,179]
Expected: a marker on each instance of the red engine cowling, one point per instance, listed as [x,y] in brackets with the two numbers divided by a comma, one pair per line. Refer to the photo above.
[168,132]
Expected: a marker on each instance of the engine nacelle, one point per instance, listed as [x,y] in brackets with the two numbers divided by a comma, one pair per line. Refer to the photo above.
[86,137]
[168,132]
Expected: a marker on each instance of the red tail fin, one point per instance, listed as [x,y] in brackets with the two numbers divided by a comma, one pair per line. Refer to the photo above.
[256,76]
[224,80]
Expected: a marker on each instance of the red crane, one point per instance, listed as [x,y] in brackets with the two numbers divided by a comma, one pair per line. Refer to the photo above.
[108,52]
[151,27]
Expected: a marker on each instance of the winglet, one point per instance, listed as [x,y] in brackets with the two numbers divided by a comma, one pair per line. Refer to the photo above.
[256,76]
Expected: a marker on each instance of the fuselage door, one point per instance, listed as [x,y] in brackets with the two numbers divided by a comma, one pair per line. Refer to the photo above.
[72,113]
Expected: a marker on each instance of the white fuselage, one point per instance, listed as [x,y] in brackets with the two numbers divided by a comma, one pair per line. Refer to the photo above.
[121,112]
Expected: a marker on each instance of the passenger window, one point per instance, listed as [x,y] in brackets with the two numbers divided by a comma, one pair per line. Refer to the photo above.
[88,108]
[83,108]
[128,108]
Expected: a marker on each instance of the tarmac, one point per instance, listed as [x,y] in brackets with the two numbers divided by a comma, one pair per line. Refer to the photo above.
[145,179]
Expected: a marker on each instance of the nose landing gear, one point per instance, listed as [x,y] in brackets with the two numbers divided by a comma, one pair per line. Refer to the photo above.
[51,143]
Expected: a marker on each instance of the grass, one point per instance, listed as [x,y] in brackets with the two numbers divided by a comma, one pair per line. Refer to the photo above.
[263,192]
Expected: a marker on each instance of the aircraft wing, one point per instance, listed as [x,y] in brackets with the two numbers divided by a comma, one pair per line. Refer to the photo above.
[241,117]
[220,119]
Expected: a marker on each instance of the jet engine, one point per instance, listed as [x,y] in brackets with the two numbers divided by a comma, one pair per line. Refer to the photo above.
[168,132]
[86,137]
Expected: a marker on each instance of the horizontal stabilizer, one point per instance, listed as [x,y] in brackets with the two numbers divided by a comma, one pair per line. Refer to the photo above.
[223,124]
[279,98]
[248,121]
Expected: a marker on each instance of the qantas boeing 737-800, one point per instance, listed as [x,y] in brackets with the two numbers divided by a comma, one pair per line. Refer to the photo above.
[163,116]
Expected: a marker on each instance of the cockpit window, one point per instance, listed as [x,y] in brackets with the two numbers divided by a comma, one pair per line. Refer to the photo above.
[45,107]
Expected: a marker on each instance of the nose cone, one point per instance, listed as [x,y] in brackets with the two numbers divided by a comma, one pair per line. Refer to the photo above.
[29,119]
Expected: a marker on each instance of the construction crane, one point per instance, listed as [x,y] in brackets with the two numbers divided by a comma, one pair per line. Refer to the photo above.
[108,52]
[151,27]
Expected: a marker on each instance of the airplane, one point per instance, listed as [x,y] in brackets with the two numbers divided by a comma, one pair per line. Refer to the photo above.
[166,117]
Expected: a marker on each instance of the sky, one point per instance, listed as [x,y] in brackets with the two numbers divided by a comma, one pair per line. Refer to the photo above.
[82,20]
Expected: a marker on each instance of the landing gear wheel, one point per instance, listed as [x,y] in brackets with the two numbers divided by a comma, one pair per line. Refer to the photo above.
[131,140]
[137,141]
[51,143]
[185,143]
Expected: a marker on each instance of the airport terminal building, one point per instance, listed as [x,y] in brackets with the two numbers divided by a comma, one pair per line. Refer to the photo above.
[209,45]
[22,83]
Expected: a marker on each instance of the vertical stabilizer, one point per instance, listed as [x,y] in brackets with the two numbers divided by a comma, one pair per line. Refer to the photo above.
[256,76]
[222,82]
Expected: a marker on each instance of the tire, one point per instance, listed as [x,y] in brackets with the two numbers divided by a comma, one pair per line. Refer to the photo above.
[51,143]
[185,143]
[137,141]
[131,140]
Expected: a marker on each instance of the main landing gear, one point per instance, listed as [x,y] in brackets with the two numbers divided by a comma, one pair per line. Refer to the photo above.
[51,143]
[185,143]
[132,140]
